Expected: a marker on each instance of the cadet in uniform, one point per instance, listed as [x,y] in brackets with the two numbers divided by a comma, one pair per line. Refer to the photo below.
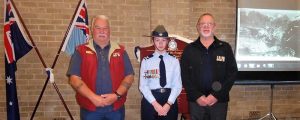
[160,80]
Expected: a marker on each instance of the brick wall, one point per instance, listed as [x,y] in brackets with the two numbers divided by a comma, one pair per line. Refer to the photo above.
[47,21]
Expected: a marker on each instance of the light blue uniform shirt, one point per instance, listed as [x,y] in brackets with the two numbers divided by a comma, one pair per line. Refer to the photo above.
[149,76]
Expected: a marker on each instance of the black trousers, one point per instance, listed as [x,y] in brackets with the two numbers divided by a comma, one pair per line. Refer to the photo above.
[216,112]
[148,112]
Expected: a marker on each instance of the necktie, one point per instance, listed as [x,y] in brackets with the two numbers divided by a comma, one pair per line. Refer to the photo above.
[162,71]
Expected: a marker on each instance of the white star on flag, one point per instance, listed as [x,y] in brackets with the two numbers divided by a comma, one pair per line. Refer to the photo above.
[8,80]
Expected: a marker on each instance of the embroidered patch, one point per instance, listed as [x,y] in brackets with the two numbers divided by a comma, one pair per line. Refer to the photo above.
[220,58]
[151,74]
[116,54]
[89,52]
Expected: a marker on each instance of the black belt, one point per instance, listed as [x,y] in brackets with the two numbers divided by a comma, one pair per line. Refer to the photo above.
[162,90]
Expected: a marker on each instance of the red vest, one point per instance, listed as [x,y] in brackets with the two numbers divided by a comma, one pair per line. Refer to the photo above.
[89,70]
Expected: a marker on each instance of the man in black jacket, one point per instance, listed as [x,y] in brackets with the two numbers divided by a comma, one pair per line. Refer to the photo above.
[208,70]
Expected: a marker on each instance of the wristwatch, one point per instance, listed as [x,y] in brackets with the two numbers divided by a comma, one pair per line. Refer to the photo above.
[170,104]
[118,95]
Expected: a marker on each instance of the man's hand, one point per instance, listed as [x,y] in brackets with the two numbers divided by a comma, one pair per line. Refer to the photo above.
[98,101]
[80,87]
[211,100]
[202,101]
[109,99]
[158,108]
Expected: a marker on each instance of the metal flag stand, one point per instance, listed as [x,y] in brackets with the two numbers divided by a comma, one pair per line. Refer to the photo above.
[270,115]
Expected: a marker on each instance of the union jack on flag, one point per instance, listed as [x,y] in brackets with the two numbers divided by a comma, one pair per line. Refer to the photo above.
[16,46]
[79,30]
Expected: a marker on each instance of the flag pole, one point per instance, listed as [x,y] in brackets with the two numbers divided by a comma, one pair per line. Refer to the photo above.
[64,39]
[42,60]
[30,38]
[53,65]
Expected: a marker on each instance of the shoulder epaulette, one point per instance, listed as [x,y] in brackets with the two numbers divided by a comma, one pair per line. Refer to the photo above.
[172,55]
[149,56]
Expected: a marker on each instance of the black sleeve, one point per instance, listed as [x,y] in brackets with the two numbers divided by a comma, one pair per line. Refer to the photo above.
[231,72]
[186,71]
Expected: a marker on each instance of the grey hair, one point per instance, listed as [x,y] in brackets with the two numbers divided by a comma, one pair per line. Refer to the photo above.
[205,14]
[102,17]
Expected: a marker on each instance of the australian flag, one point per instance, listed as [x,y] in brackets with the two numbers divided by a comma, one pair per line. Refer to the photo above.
[79,30]
[16,46]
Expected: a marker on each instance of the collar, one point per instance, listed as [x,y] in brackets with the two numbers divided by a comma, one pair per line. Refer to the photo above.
[113,47]
[156,54]
[215,44]
[96,46]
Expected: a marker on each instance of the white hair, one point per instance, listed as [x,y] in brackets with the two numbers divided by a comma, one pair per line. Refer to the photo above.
[102,17]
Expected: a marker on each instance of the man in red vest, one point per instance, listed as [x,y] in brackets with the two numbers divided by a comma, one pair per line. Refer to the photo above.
[101,74]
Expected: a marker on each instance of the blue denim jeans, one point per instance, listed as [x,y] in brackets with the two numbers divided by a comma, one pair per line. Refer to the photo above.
[94,115]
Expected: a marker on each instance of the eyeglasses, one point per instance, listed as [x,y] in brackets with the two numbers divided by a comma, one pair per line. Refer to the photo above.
[206,24]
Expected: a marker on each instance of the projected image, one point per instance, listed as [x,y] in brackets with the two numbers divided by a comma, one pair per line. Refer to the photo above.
[265,34]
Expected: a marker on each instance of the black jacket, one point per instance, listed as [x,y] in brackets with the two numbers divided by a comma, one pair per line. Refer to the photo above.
[224,70]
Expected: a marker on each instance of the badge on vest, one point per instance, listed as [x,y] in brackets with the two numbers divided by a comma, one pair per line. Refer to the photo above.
[151,74]
[89,52]
[221,58]
[116,54]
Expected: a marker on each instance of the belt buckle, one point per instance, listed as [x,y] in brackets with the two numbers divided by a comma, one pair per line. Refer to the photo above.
[162,90]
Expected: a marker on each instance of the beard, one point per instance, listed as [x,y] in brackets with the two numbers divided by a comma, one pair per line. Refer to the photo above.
[206,33]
